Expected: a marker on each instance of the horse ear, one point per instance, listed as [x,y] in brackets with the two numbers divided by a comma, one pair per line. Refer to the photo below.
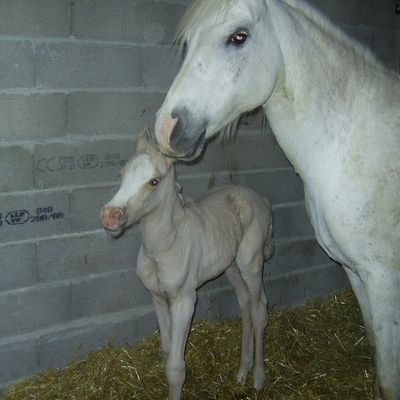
[143,139]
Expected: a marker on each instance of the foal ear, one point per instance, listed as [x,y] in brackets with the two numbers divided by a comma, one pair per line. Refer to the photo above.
[143,139]
[168,161]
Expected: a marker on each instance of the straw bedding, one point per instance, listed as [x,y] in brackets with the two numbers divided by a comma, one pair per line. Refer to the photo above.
[318,351]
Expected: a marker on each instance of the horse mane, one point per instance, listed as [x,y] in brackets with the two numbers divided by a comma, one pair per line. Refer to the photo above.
[326,25]
[195,14]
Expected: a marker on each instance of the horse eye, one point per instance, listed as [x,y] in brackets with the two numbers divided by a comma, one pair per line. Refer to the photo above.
[154,182]
[238,38]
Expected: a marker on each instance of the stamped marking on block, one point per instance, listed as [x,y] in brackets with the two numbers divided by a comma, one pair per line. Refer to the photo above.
[83,162]
[22,217]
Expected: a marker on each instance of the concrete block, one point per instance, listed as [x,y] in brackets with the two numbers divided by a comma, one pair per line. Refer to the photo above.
[109,113]
[83,65]
[387,48]
[253,152]
[31,215]
[159,68]
[106,293]
[140,21]
[362,34]
[87,254]
[17,266]
[211,161]
[57,349]
[80,162]
[358,12]
[291,291]
[279,186]
[291,221]
[196,186]
[49,18]
[32,116]
[13,159]
[86,204]
[18,360]
[34,308]
[17,64]
[291,256]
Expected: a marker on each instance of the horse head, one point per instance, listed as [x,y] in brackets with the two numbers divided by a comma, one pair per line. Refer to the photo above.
[232,59]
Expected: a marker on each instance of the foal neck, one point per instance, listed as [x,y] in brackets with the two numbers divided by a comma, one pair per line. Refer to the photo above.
[159,227]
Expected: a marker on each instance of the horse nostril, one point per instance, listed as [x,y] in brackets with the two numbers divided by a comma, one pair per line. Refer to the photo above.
[177,134]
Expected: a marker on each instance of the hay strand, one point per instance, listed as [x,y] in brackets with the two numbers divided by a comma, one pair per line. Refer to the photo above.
[315,352]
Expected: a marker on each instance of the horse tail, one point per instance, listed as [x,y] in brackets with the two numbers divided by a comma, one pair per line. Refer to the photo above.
[269,245]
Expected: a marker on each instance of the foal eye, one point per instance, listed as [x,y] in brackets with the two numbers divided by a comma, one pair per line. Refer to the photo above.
[154,182]
[238,38]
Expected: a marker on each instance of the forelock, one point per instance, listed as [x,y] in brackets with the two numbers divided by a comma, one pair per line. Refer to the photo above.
[197,12]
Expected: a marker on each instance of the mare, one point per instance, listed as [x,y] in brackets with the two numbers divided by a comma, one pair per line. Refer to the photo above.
[335,112]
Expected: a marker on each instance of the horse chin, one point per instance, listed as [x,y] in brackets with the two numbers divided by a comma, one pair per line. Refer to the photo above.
[189,156]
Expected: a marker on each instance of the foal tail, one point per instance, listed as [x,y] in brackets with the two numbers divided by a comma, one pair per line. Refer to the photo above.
[269,245]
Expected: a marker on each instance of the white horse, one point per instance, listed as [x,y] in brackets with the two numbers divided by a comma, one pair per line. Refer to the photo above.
[185,245]
[335,111]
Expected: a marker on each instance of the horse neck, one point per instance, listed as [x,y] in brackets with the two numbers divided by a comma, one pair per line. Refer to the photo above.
[315,89]
[159,227]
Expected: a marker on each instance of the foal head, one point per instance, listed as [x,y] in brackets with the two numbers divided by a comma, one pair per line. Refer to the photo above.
[231,66]
[141,190]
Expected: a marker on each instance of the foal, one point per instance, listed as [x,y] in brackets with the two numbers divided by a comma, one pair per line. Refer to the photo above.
[186,244]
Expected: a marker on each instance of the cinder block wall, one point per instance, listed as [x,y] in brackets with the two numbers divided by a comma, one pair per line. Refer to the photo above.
[78,79]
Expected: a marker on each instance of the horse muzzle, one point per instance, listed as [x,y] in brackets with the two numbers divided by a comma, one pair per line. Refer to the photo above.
[179,136]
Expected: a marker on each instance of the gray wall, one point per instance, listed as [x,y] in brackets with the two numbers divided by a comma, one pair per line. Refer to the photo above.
[78,79]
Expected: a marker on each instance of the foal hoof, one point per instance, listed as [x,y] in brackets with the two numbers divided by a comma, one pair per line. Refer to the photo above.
[241,376]
[258,379]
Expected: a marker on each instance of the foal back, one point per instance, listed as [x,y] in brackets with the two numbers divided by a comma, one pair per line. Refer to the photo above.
[236,224]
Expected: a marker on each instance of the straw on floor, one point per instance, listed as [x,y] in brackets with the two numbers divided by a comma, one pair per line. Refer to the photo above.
[318,351]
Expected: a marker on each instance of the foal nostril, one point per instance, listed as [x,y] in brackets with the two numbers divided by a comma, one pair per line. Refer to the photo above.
[110,217]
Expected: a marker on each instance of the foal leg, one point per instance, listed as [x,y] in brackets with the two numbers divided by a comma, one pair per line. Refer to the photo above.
[242,293]
[164,322]
[253,276]
[382,286]
[182,309]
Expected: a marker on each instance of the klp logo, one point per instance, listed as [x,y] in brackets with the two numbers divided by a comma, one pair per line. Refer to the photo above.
[17,217]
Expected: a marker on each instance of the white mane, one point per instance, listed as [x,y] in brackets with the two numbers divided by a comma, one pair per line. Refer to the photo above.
[323,23]
[197,12]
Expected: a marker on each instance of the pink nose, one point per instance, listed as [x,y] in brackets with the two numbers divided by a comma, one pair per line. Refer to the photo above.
[111,216]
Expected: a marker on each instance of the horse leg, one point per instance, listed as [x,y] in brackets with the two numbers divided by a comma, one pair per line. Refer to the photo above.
[243,296]
[182,309]
[252,275]
[384,298]
[360,291]
[164,322]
